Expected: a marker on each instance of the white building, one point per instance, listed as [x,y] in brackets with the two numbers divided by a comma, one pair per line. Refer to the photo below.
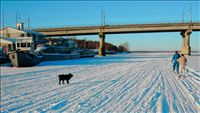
[19,43]
[19,31]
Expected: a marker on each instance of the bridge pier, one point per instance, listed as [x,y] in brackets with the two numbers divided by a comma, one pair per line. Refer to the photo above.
[186,49]
[102,44]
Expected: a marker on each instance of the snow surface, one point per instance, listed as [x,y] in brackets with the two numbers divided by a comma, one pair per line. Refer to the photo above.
[137,82]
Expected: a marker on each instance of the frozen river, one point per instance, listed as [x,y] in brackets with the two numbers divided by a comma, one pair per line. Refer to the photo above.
[136,82]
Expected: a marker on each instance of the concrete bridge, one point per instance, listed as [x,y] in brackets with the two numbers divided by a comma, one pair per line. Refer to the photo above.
[185,30]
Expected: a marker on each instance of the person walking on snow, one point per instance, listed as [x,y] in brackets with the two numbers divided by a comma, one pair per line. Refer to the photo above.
[182,61]
[174,61]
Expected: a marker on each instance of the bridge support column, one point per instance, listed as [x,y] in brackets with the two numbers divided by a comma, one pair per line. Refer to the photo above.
[102,44]
[186,49]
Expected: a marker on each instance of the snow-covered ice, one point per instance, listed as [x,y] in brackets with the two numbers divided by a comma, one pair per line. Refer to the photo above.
[136,82]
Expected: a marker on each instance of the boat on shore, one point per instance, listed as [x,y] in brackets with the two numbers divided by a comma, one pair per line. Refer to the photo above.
[56,56]
[4,59]
[86,53]
[24,59]
[21,52]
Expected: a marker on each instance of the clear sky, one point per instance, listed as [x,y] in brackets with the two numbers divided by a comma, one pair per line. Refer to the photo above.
[86,13]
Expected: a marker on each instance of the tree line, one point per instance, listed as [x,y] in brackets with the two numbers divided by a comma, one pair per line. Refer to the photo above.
[85,44]
[89,44]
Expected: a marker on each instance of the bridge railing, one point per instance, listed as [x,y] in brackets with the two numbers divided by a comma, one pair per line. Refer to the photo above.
[110,23]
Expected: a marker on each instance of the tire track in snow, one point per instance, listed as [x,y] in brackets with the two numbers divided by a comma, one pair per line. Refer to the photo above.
[184,102]
[103,86]
[140,96]
[169,79]
[152,82]
[101,91]
[101,103]
[125,89]
[40,81]
[31,96]
[75,94]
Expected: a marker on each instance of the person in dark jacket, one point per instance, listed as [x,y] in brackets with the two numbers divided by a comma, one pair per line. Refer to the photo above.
[174,61]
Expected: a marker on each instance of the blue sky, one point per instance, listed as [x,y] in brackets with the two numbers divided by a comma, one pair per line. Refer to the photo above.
[85,13]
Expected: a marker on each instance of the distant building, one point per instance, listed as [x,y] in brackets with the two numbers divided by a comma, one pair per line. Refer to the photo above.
[7,44]
[56,45]
[19,31]
[66,42]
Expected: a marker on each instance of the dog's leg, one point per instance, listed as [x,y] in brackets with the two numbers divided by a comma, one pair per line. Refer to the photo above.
[67,81]
[59,81]
[63,81]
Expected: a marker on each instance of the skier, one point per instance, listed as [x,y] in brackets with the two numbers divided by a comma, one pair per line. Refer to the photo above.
[174,61]
[182,61]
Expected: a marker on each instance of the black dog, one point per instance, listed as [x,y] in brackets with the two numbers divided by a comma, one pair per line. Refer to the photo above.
[64,77]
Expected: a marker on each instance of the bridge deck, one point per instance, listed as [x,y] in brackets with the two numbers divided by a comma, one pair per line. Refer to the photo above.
[113,29]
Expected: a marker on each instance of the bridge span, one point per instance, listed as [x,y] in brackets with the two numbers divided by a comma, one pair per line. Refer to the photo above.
[185,30]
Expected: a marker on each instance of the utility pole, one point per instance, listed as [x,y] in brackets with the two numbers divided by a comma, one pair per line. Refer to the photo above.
[190,12]
[27,22]
[183,15]
[3,21]
[27,25]
[102,17]
[18,19]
